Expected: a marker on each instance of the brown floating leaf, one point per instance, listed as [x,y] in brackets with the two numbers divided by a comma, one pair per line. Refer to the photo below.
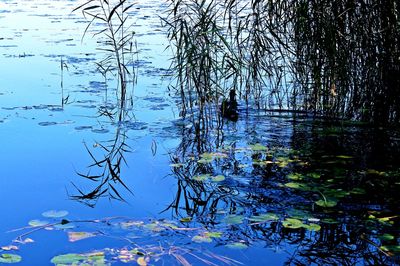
[76,236]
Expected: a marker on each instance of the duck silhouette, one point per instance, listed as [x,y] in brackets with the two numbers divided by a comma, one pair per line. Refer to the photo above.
[229,107]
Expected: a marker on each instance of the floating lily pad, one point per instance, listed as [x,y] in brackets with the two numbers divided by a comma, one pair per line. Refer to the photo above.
[213,234]
[93,258]
[296,185]
[344,157]
[258,147]
[55,214]
[391,248]
[330,221]
[264,217]
[100,130]
[326,203]
[295,176]
[233,219]
[44,124]
[218,178]
[358,191]
[64,226]
[67,259]
[292,223]
[314,175]
[237,245]
[186,219]
[76,236]
[202,239]
[386,237]
[312,227]
[10,258]
[201,177]
[36,223]
[141,261]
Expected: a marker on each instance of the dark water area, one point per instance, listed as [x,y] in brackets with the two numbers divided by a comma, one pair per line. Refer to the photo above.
[269,189]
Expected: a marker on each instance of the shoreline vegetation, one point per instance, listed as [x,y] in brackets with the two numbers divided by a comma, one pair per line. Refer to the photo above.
[333,59]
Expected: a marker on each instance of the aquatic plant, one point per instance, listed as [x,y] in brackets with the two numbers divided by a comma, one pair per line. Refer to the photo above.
[115,36]
[334,59]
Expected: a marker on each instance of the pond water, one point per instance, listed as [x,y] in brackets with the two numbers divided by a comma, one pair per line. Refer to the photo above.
[269,189]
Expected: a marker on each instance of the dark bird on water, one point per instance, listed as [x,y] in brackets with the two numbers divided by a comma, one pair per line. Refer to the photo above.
[229,107]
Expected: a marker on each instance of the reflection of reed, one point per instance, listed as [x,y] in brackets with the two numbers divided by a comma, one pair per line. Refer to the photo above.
[108,167]
[344,236]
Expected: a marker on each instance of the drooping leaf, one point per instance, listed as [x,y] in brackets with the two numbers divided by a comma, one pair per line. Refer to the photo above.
[55,214]
[10,258]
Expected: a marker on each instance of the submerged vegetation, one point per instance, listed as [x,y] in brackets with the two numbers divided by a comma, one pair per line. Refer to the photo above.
[337,59]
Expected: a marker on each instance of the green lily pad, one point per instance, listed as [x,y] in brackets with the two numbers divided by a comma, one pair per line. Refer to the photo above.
[391,248]
[37,223]
[202,239]
[326,203]
[204,161]
[218,178]
[186,219]
[264,217]
[296,185]
[295,176]
[237,245]
[344,157]
[55,214]
[386,237]
[314,175]
[93,258]
[292,223]
[358,191]
[10,258]
[233,219]
[312,227]
[213,234]
[67,259]
[329,221]
[201,178]
[258,147]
